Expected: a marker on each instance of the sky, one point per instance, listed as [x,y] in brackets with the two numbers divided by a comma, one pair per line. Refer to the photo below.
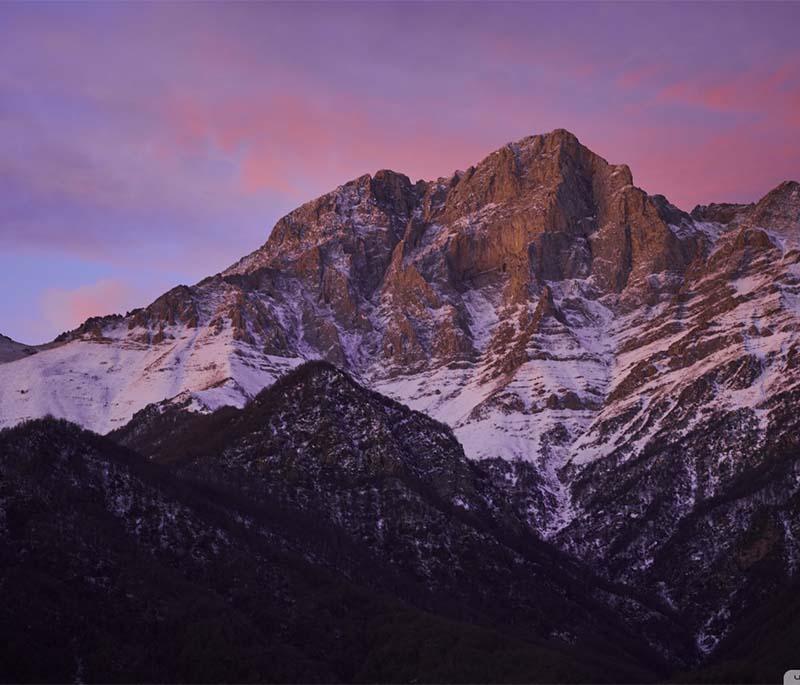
[143,145]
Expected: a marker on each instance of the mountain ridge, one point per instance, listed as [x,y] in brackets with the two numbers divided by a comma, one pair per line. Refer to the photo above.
[156,576]
[716,210]
[11,350]
[551,314]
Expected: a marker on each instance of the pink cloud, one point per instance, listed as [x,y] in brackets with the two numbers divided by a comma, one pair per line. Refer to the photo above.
[738,163]
[312,136]
[65,309]
[287,141]
[640,75]
[755,90]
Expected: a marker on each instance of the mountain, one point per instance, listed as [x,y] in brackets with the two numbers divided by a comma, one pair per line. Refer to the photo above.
[454,284]
[624,372]
[361,545]
[11,350]
[120,570]
[761,646]
[400,483]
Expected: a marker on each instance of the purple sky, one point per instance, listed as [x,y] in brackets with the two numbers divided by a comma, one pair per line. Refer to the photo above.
[144,145]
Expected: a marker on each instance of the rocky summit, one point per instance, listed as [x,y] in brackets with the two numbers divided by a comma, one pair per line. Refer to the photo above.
[623,375]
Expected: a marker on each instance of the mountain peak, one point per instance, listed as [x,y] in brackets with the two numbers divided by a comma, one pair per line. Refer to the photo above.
[562,134]
[785,191]
[549,178]
[779,210]
[10,350]
[308,377]
[554,138]
[786,186]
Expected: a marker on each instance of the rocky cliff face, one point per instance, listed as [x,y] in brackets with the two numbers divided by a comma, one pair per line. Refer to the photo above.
[630,370]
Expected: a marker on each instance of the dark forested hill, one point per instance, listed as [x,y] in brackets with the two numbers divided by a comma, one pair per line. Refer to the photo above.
[118,570]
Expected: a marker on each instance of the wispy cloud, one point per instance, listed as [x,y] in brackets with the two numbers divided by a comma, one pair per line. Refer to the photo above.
[65,309]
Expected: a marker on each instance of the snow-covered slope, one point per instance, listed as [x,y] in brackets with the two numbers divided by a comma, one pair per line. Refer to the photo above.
[102,383]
